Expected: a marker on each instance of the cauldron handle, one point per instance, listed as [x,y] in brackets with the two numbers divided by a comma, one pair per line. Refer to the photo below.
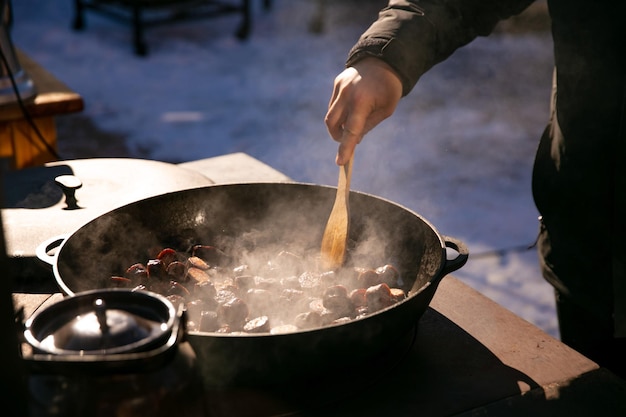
[43,250]
[452,265]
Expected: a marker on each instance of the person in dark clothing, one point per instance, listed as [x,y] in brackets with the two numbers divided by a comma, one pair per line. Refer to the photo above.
[579,175]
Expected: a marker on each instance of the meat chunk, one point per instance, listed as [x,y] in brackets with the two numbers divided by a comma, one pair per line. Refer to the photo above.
[233,313]
[177,270]
[156,269]
[358,298]
[257,325]
[205,290]
[367,278]
[244,282]
[137,273]
[388,274]
[209,322]
[308,320]
[336,299]
[284,328]
[167,256]
[289,290]
[397,294]
[197,275]
[121,282]
[309,281]
[259,300]
[378,297]
[211,255]
[197,262]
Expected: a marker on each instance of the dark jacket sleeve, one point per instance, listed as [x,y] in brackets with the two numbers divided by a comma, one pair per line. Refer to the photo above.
[414,35]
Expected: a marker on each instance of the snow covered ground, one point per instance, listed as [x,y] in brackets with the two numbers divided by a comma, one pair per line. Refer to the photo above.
[459,149]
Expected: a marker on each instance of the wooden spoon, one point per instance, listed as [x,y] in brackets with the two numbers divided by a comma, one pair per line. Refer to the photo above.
[336,232]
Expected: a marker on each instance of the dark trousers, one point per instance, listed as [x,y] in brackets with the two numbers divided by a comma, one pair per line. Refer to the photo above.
[590,335]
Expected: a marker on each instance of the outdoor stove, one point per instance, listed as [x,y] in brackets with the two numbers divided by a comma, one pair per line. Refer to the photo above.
[467,355]
[58,198]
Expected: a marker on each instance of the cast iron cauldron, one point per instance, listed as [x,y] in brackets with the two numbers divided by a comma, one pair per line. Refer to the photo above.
[271,217]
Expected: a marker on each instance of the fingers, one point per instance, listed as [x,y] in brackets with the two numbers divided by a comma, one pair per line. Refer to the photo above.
[340,104]
[348,137]
[347,145]
[362,97]
[348,134]
[345,119]
[334,122]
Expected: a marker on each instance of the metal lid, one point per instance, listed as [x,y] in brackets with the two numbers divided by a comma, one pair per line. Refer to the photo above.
[102,322]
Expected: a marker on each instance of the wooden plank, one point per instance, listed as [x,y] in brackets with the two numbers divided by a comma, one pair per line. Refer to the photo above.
[22,145]
[52,97]
[514,341]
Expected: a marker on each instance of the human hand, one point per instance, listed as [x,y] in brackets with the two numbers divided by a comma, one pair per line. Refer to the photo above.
[363,96]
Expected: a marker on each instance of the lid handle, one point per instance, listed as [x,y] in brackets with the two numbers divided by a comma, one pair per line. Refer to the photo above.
[69,184]
[100,308]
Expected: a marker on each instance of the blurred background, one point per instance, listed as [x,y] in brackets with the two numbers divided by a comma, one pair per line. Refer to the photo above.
[459,149]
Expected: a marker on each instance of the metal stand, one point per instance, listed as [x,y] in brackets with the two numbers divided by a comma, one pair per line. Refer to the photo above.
[165,11]
[15,84]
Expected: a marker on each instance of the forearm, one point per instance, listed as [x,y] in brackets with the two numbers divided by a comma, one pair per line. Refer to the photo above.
[414,35]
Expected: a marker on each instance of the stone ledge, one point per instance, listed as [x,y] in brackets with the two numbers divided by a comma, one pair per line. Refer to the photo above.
[235,168]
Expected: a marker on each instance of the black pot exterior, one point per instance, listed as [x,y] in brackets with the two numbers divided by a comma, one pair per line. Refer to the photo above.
[291,216]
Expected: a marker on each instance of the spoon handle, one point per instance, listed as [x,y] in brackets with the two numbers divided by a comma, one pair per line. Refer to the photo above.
[336,232]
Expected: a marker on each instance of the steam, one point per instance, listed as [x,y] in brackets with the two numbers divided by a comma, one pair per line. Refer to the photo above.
[272,232]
